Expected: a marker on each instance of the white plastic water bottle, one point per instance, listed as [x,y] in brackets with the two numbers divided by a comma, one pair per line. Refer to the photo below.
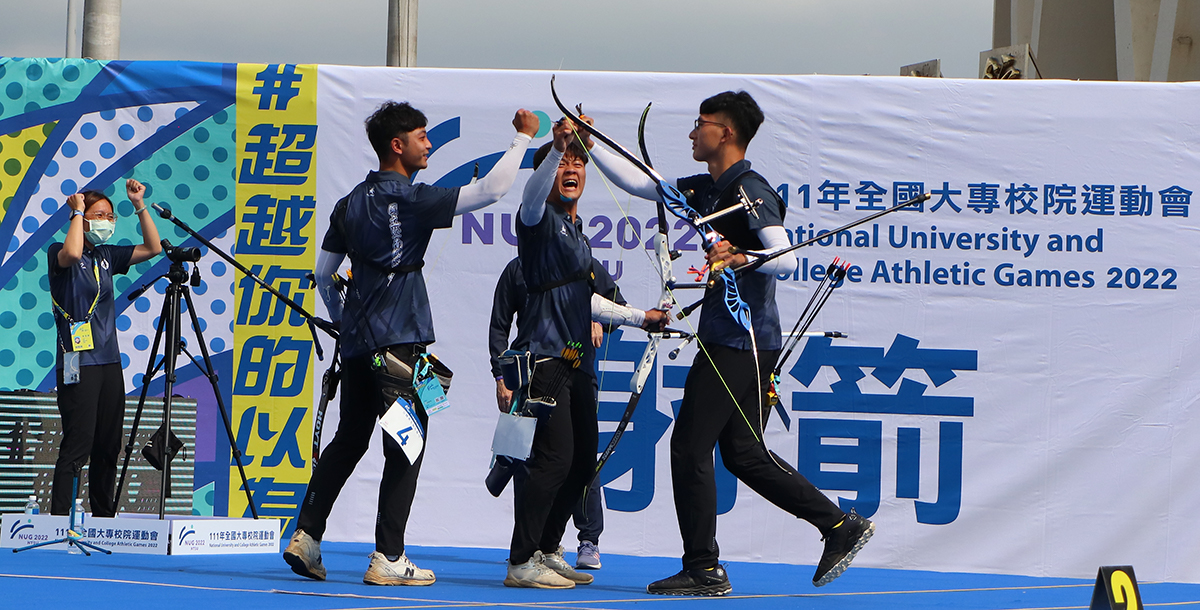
[31,507]
[74,548]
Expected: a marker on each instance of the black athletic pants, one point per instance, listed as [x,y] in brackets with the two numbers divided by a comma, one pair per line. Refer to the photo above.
[588,515]
[562,462]
[707,417]
[93,418]
[361,405]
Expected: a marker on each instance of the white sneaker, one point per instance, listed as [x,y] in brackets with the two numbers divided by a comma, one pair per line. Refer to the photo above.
[560,566]
[399,572]
[303,553]
[534,574]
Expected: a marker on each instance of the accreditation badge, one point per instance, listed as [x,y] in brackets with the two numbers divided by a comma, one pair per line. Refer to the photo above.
[431,395]
[81,336]
[428,385]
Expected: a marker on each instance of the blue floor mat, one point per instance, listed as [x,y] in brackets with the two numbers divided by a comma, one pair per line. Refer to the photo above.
[470,578]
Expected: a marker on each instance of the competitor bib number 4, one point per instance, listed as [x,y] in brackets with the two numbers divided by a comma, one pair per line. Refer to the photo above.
[401,423]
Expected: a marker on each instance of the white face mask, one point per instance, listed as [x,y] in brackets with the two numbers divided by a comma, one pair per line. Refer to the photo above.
[100,231]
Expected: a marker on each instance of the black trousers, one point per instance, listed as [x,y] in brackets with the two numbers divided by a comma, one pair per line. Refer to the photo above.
[708,416]
[93,418]
[361,405]
[562,462]
[588,515]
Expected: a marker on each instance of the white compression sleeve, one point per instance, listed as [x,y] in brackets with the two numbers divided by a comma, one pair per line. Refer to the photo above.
[537,189]
[327,265]
[496,183]
[624,174]
[631,180]
[609,313]
[775,238]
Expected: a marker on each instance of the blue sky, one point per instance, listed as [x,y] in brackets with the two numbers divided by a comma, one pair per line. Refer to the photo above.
[751,37]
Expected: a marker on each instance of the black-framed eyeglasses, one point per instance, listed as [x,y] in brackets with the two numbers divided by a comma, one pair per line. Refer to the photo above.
[100,216]
[700,122]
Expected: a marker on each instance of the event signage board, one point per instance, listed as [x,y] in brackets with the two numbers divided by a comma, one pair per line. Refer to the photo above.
[273,352]
[1016,343]
[224,536]
[117,534]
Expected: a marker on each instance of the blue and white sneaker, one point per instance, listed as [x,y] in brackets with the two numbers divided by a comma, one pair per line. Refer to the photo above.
[587,557]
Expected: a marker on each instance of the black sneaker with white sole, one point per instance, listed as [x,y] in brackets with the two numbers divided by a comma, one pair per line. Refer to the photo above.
[704,582]
[841,545]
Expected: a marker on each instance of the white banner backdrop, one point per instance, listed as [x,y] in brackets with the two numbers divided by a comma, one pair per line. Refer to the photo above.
[1016,390]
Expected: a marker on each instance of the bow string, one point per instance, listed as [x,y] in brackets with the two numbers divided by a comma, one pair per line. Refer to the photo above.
[670,199]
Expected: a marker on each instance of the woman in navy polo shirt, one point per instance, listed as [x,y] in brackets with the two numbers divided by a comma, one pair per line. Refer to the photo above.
[91,388]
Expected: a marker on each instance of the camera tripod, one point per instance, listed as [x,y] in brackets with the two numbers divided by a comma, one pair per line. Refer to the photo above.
[169,323]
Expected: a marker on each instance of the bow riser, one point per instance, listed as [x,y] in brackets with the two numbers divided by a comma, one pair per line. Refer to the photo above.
[662,252]
[645,366]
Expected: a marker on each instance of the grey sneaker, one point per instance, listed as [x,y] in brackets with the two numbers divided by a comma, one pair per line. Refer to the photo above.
[558,563]
[399,572]
[303,553]
[534,574]
[587,557]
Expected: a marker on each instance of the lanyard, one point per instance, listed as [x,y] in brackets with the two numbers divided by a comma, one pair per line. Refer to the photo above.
[62,312]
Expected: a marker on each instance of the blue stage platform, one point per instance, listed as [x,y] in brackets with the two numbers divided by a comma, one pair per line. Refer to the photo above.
[471,578]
